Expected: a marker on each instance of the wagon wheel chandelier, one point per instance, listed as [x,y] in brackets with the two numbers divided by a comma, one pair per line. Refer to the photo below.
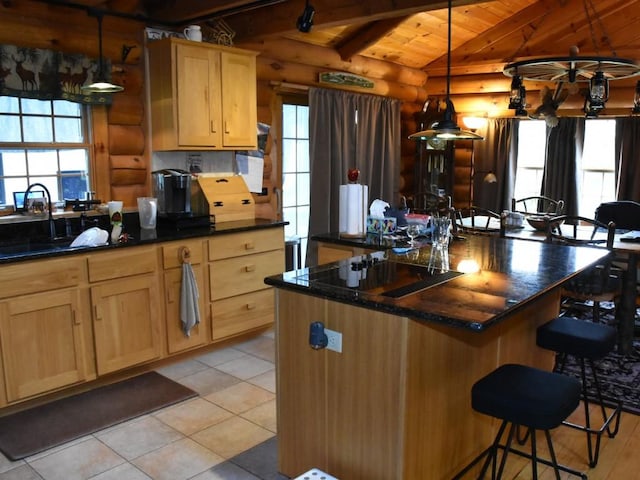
[597,71]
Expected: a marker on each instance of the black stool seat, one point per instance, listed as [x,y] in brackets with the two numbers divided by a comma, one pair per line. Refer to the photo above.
[523,396]
[586,341]
[576,337]
[526,396]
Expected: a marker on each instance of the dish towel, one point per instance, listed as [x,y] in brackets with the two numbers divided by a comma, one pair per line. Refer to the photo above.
[189,310]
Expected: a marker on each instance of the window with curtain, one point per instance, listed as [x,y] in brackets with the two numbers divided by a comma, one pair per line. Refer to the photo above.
[596,175]
[43,141]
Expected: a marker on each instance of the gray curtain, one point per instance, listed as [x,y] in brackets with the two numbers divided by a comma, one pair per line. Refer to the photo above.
[562,166]
[628,158]
[497,154]
[338,144]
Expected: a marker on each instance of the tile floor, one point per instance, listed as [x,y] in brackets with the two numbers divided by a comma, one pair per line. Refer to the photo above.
[226,433]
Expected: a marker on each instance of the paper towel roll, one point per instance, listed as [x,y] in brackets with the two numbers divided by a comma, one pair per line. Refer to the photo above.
[354,199]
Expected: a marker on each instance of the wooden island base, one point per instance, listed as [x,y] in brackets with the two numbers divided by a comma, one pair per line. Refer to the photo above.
[396,403]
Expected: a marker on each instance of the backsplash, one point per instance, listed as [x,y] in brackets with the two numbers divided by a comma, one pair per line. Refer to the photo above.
[196,161]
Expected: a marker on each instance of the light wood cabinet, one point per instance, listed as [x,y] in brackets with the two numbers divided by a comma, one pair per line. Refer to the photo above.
[43,342]
[172,259]
[240,300]
[45,337]
[126,309]
[202,96]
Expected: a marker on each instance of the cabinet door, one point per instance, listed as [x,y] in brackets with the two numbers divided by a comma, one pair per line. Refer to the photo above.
[126,322]
[177,340]
[198,96]
[239,100]
[43,342]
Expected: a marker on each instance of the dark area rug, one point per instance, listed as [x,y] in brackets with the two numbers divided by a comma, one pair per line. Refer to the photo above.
[619,375]
[40,428]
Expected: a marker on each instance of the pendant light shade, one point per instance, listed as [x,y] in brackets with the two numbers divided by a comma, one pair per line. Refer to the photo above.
[100,84]
[447,129]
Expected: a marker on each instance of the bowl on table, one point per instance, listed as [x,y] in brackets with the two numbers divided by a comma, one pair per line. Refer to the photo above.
[539,222]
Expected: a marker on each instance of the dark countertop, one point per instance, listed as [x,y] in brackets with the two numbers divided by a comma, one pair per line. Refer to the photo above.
[512,273]
[24,250]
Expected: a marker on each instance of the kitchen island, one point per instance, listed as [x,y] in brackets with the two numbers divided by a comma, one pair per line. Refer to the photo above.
[395,403]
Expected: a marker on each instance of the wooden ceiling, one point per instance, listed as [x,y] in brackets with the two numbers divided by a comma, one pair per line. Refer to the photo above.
[413,33]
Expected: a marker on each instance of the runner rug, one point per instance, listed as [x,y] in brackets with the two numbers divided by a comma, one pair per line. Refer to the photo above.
[31,431]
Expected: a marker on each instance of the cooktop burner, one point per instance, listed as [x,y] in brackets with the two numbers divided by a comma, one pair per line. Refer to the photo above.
[368,274]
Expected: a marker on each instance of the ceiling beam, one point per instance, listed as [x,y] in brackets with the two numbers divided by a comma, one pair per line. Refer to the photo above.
[366,36]
[282,18]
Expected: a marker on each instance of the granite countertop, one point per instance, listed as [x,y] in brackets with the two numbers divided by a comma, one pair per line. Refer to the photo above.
[23,249]
[511,273]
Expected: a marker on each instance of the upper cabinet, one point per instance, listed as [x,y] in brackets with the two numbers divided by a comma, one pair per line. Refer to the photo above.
[203,96]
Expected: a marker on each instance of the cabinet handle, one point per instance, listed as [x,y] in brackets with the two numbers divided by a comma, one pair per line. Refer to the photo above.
[170,295]
[76,320]
[251,306]
[249,246]
[226,128]
[97,312]
[213,126]
[250,268]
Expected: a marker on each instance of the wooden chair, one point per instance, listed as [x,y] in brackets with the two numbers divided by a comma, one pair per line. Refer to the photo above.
[477,220]
[537,204]
[600,283]
[430,203]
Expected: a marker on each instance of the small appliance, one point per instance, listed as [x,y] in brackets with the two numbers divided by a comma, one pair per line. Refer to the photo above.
[172,188]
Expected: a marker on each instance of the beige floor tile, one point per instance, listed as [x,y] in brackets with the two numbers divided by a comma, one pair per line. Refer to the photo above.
[220,356]
[261,347]
[21,472]
[126,471]
[177,461]
[58,448]
[193,416]
[264,415]
[240,397]
[137,438]
[78,462]
[266,380]
[232,437]
[6,464]
[208,381]
[182,369]
[246,367]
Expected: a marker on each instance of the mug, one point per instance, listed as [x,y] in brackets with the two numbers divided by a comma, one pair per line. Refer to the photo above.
[193,32]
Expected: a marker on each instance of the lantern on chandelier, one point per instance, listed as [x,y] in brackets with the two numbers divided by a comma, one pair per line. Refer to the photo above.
[518,96]
[598,90]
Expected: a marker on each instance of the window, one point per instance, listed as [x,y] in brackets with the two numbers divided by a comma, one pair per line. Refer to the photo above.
[295,172]
[43,141]
[597,178]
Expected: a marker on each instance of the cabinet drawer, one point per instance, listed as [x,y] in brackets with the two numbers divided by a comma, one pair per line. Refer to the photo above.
[242,313]
[238,275]
[40,276]
[171,253]
[253,241]
[122,263]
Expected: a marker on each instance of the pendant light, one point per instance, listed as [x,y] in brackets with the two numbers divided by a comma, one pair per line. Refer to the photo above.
[100,84]
[447,129]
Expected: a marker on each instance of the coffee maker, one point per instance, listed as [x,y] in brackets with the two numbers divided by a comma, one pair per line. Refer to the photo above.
[172,188]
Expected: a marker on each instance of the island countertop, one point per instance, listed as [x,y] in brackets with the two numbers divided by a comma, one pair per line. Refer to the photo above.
[511,274]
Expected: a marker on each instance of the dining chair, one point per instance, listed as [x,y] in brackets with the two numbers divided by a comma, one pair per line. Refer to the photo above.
[477,220]
[430,203]
[600,283]
[537,204]
[624,213]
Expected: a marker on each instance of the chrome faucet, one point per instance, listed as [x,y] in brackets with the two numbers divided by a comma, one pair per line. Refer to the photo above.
[52,225]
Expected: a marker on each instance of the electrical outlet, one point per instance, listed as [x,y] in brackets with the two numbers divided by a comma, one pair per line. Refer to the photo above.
[334,340]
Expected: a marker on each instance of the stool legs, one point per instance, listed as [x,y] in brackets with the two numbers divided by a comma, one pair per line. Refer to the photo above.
[491,456]
[612,430]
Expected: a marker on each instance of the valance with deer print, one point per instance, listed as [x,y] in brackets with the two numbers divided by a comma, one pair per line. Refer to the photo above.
[48,75]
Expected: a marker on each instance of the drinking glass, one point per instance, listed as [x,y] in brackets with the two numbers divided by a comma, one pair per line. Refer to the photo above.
[413,230]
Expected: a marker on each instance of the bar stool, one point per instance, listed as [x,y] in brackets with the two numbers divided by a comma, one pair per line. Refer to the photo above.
[586,342]
[523,396]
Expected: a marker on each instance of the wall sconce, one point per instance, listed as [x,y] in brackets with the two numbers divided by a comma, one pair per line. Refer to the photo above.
[474,122]
[636,100]
[598,90]
[305,21]
[518,96]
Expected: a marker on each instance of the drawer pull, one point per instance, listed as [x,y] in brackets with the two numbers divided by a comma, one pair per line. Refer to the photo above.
[250,268]
[249,246]
[251,306]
